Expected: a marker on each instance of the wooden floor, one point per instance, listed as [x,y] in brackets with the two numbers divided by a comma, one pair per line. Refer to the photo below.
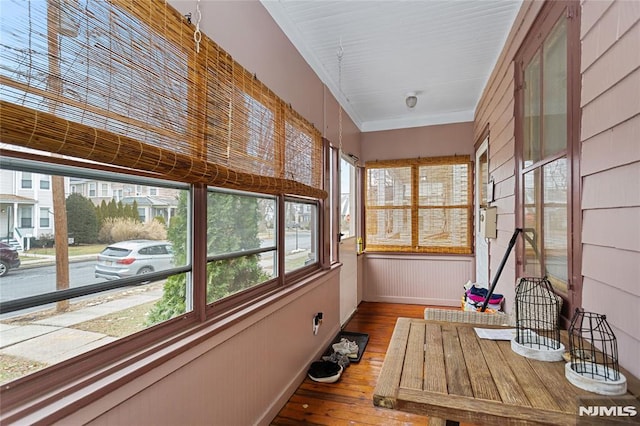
[350,400]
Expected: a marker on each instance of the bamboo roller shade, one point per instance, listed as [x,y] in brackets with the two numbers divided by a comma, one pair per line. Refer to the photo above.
[420,205]
[120,82]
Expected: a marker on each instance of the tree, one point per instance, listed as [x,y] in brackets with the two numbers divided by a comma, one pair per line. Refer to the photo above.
[133,213]
[82,219]
[173,300]
[228,231]
[112,209]
[101,211]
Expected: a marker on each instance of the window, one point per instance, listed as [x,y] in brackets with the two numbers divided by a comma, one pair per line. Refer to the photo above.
[347,199]
[25,182]
[25,213]
[45,182]
[546,148]
[104,192]
[241,248]
[301,234]
[421,205]
[44,218]
[92,189]
[118,258]
[153,191]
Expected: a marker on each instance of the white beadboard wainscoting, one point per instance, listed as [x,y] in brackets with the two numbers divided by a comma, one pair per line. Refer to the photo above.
[416,279]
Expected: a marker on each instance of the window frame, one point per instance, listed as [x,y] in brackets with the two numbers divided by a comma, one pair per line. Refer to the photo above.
[26,180]
[542,28]
[298,273]
[221,306]
[414,205]
[45,221]
[45,182]
[143,343]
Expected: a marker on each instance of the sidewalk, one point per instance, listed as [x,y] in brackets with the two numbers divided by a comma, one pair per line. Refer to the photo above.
[53,339]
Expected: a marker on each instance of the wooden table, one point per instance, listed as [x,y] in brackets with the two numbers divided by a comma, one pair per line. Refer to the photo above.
[443,370]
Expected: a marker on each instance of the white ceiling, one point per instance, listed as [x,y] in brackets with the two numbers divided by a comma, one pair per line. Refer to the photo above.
[442,49]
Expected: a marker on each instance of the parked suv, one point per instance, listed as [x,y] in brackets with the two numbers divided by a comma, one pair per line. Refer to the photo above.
[134,257]
[9,258]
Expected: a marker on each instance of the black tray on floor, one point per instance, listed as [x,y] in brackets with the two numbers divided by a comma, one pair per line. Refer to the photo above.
[361,340]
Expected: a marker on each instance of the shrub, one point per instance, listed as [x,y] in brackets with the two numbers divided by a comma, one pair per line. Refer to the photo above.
[160,219]
[122,229]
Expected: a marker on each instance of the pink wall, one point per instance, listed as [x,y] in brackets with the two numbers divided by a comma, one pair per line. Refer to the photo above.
[241,376]
[351,136]
[429,141]
[610,168]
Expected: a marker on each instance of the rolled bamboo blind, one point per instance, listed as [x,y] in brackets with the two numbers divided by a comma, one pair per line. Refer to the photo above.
[120,82]
[420,205]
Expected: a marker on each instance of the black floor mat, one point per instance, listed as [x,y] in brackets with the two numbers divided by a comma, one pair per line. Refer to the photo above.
[361,340]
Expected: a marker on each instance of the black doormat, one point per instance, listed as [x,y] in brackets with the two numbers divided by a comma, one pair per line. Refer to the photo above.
[361,340]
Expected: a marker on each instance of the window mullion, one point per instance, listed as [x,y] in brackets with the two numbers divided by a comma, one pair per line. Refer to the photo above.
[415,200]
[199,250]
[281,239]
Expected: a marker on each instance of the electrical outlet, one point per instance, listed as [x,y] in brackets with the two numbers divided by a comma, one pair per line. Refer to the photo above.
[317,320]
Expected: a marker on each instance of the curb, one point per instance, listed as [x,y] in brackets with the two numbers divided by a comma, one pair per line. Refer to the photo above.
[29,264]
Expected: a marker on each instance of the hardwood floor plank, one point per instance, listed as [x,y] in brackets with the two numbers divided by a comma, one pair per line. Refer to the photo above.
[350,400]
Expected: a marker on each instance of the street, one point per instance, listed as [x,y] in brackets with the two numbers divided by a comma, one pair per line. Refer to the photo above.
[294,239]
[23,282]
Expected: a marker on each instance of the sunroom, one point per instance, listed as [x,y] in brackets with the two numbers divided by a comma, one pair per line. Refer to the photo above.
[297,178]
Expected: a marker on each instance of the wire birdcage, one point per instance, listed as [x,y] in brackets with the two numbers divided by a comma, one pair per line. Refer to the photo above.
[537,310]
[593,349]
[592,341]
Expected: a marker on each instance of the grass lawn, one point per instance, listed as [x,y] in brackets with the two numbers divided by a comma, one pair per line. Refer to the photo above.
[73,250]
[119,324]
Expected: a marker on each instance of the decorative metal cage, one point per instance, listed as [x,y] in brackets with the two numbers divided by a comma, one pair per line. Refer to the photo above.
[537,309]
[593,347]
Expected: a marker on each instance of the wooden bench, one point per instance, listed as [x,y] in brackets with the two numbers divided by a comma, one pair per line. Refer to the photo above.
[469,317]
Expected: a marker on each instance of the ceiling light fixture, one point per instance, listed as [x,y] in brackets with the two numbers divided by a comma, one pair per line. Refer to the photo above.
[411,99]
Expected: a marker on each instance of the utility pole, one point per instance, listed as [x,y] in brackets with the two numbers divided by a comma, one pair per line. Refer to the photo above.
[57,182]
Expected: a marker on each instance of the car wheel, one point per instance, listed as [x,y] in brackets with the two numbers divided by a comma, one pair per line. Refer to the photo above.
[4,269]
[145,270]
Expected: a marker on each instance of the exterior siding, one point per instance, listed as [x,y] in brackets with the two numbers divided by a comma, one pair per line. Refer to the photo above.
[497,110]
[610,168]
[609,163]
